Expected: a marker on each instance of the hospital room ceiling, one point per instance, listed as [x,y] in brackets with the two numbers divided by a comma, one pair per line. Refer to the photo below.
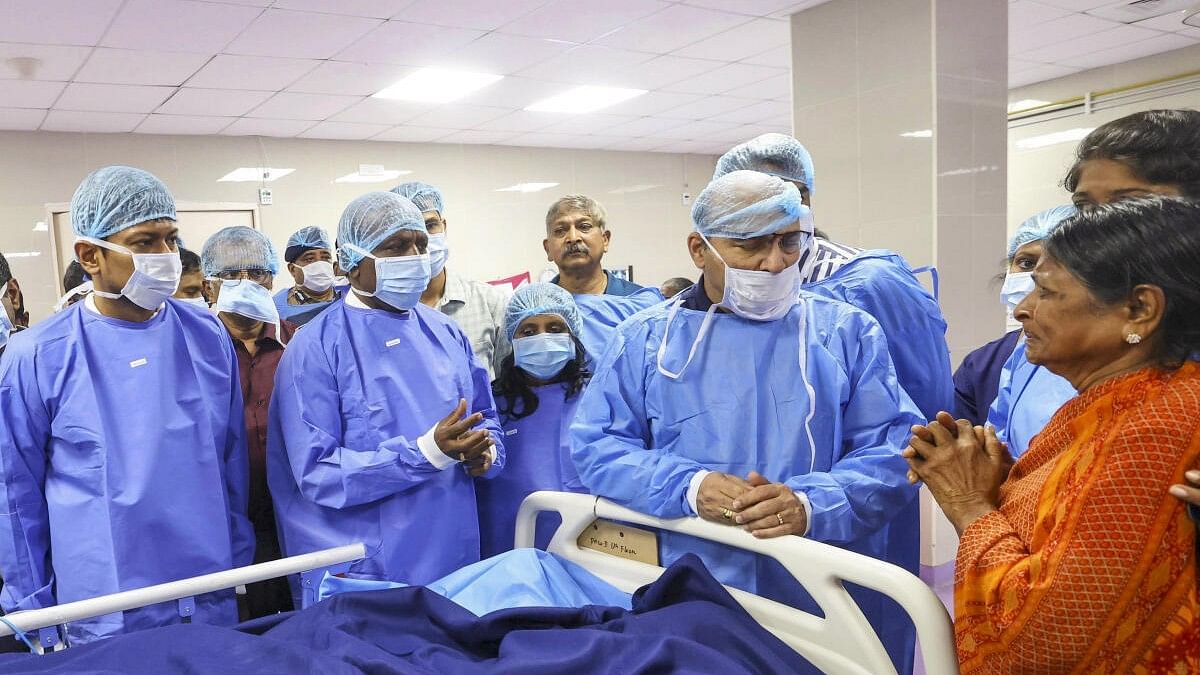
[714,71]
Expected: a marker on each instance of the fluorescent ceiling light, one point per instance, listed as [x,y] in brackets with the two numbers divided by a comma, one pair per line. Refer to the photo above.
[434,85]
[41,226]
[585,99]
[356,177]
[1045,140]
[923,133]
[254,174]
[1025,104]
[23,254]
[527,187]
[641,187]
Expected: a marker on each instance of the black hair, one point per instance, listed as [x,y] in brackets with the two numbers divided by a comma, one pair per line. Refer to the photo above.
[5,271]
[820,234]
[191,261]
[1155,241]
[512,388]
[74,276]
[1158,146]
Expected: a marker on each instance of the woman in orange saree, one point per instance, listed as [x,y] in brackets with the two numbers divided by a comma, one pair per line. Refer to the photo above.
[1076,559]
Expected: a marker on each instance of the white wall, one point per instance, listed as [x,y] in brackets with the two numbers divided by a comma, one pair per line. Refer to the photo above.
[492,234]
[1035,176]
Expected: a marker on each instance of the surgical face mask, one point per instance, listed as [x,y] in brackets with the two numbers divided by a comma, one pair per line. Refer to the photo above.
[1017,285]
[439,251]
[155,276]
[318,276]
[759,296]
[544,355]
[399,280]
[195,302]
[246,298]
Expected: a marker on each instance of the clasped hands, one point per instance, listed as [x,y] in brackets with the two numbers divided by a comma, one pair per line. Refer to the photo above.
[760,507]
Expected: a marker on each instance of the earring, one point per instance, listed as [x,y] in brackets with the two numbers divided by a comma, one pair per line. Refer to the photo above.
[1133,338]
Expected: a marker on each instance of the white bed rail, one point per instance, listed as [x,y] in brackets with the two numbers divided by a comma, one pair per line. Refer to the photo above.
[841,643]
[34,619]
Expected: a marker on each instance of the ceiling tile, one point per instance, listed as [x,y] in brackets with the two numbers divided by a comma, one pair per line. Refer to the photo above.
[707,107]
[777,88]
[754,113]
[672,28]
[183,124]
[344,131]
[699,130]
[218,102]
[1171,23]
[261,73]
[1039,74]
[503,54]
[646,126]
[1077,5]
[723,79]
[29,93]
[53,62]
[540,140]
[638,144]
[1018,65]
[290,106]
[247,126]
[382,111]
[1025,13]
[513,92]
[588,141]
[178,25]
[302,35]
[1050,32]
[589,124]
[751,7]
[400,42]
[1165,42]
[407,134]
[112,97]
[21,119]
[661,71]
[523,121]
[581,20]
[352,79]
[652,103]
[377,9]
[63,22]
[477,137]
[478,14]
[455,116]
[589,64]
[95,122]
[739,42]
[777,57]
[1088,44]
[138,66]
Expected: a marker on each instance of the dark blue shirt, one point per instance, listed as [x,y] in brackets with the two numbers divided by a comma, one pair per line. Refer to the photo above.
[977,380]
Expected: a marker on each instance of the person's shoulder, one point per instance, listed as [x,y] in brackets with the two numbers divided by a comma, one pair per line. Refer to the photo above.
[195,320]
[879,266]
[493,295]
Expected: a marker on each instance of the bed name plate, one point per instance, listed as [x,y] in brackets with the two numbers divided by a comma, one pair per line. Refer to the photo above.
[621,540]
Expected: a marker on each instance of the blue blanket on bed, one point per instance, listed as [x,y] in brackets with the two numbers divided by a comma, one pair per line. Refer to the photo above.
[685,622]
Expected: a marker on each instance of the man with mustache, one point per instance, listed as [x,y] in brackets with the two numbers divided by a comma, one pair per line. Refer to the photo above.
[576,240]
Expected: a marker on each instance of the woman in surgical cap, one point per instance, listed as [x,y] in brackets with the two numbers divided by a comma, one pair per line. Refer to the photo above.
[537,390]
[977,380]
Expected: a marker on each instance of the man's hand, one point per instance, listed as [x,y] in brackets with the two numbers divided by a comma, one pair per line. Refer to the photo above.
[770,509]
[714,499]
[455,438]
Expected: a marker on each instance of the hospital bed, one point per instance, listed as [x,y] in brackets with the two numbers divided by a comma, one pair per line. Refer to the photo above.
[841,643]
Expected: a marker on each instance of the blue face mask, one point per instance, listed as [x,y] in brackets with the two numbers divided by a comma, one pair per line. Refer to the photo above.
[399,280]
[246,298]
[545,355]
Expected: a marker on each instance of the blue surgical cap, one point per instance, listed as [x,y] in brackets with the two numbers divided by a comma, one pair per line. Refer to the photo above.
[541,298]
[776,154]
[748,204]
[306,239]
[424,195]
[238,248]
[369,220]
[1039,226]
[116,198]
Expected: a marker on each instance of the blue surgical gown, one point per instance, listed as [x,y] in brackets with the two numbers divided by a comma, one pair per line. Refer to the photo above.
[302,314]
[1029,396]
[601,313]
[123,460]
[538,455]
[639,437]
[880,283]
[354,391]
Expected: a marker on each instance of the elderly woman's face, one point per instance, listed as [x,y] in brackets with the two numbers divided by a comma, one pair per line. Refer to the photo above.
[1065,326]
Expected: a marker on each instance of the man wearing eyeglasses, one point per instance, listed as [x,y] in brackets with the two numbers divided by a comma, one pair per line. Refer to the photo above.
[239,266]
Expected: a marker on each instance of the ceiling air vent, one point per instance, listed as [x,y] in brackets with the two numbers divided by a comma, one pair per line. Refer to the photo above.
[1140,10]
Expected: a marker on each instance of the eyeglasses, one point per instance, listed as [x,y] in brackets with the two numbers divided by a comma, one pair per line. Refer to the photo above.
[257,276]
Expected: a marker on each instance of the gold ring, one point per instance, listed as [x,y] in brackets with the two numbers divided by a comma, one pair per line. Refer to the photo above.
[780,517]
[727,514]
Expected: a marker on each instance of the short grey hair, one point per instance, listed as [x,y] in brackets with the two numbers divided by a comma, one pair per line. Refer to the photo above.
[573,203]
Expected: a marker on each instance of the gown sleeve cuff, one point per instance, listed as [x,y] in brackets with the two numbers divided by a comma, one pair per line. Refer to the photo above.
[693,491]
[807,511]
[432,452]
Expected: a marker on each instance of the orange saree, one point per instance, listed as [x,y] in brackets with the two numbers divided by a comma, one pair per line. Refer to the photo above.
[1089,565]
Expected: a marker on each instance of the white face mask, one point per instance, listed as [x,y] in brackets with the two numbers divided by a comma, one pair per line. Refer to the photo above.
[318,276]
[155,276]
[1017,286]
[759,296]
[439,252]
